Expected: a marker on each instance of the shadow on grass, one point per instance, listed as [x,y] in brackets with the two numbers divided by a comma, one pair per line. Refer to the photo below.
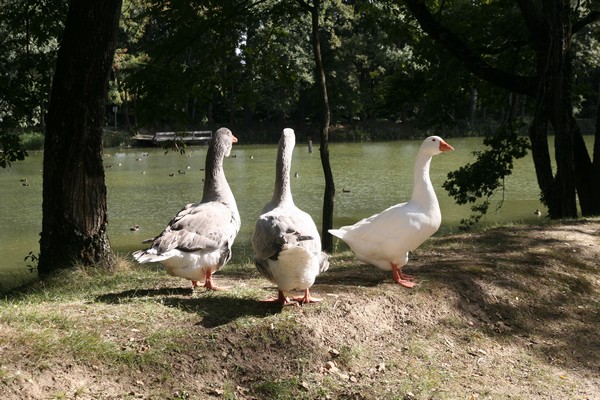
[215,308]
[534,288]
[354,275]
[220,310]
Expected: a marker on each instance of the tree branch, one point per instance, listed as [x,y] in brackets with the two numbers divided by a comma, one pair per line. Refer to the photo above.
[472,61]
[592,16]
[305,5]
[531,16]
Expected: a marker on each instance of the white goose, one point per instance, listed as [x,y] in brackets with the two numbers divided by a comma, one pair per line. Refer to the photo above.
[197,242]
[385,239]
[286,240]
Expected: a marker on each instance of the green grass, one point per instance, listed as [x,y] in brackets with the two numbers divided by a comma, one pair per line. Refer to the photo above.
[65,313]
[440,340]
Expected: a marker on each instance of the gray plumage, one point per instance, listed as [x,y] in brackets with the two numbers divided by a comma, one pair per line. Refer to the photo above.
[197,241]
[286,241]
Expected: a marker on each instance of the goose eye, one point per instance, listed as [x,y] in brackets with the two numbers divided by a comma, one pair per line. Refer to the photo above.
[433,140]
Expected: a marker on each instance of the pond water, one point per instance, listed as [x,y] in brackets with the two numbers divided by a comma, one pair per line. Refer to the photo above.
[146,187]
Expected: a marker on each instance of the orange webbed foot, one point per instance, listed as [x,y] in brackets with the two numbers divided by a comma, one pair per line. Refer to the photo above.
[402,279]
[210,284]
[281,299]
[307,298]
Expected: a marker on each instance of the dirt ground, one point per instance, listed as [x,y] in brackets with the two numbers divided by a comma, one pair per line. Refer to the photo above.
[505,313]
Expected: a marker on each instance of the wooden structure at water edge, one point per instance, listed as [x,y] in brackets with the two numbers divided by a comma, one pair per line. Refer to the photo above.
[160,138]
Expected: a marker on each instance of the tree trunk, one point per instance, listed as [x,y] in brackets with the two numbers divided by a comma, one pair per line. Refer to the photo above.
[473,108]
[595,173]
[574,168]
[554,102]
[74,218]
[587,170]
[209,113]
[126,111]
[587,175]
[124,104]
[232,102]
[328,197]
[541,160]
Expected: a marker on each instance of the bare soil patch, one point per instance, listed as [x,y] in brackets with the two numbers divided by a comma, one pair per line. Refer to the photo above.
[510,312]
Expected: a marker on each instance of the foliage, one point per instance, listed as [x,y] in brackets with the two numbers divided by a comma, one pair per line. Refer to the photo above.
[11,149]
[176,145]
[484,177]
[32,140]
[586,64]
[120,138]
[29,33]
[249,65]
[32,260]
[29,45]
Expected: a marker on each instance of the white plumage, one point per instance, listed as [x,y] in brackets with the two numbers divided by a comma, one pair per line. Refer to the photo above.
[385,239]
[286,240]
[197,242]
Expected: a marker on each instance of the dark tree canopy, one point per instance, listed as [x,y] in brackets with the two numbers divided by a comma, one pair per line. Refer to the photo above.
[550,26]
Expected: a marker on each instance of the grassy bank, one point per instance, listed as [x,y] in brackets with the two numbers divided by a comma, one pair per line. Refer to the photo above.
[509,312]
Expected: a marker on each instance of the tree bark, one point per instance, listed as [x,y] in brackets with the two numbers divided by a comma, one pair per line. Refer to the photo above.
[588,170]
[74,217]
[542,161]
[554,69]
[473,107]
[328,197]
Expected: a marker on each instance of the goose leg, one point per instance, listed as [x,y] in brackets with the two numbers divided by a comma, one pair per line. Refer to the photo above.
[209,284]
[400,278]
[307,298]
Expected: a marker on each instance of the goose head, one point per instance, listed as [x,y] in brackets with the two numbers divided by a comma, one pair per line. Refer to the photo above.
[287,142]
[224,140]
[435,145]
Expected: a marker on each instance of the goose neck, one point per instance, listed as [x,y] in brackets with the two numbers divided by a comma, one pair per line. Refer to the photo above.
[216,187]
[282,192]
[423,192]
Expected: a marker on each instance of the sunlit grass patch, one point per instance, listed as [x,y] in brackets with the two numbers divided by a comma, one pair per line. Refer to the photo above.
[512,322]
[129,336]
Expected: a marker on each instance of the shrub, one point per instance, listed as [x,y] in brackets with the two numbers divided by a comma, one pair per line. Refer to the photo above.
[32,140]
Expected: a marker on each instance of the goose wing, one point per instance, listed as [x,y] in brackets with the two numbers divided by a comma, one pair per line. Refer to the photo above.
[204,226]
[273,231]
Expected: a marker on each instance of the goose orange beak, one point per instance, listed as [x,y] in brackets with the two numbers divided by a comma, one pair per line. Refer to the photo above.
[445,146]
[234,139]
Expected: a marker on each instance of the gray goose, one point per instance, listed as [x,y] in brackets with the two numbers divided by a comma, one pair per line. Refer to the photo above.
[285,239]
[197,242]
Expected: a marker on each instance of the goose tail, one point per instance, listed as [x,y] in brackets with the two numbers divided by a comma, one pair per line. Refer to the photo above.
[145,256]
[340,233]
[323,262]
